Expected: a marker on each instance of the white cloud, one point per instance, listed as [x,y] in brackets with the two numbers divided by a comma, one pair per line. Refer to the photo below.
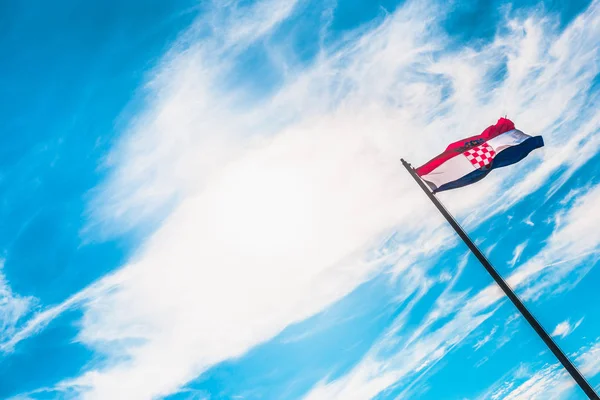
[405,362]
[517,253]
[12,309]
[573,194]
[575,237]
[274,219]
[511,327]
[549,382]
[38,321]
[270,209]
[379,371]
[565,328]
[444,277]
[425,348]
[481,342]
[403,357]
[247,24]
[489,250]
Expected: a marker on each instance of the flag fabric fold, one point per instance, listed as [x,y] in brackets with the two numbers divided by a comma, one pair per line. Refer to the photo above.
[469,160]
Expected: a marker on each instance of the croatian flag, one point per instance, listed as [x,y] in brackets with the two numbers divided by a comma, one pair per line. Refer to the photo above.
[471,159]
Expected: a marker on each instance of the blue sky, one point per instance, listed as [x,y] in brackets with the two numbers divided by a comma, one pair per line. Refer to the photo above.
[204,200]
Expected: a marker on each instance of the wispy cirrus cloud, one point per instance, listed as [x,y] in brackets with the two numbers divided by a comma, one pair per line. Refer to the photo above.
[40,319]
[262,201]
[574,239]
[517,253]
[379,370]
[396,361]
[484,340]
[565,328]
[12,309]
[550,381]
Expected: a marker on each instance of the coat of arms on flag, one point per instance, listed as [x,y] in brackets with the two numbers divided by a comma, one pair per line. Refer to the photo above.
[471,159]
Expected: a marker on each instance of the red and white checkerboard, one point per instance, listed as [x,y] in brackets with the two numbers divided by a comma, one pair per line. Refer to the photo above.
[480,156]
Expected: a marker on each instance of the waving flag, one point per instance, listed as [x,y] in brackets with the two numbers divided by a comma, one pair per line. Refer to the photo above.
[471,159]
[468,161]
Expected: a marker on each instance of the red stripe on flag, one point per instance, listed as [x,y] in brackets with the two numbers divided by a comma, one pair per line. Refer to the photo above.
[459,147]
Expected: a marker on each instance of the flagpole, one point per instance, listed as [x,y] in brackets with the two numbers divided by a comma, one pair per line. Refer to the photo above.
[564,360]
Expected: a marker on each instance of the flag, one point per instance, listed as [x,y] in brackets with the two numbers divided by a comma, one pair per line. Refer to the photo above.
[470,160]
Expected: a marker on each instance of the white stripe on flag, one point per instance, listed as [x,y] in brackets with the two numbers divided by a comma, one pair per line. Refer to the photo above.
[453,169]
[507,139]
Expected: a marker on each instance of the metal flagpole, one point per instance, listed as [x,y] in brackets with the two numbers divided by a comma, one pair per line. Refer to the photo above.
[564,360]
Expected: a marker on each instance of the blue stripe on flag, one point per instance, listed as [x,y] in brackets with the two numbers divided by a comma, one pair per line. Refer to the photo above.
[508,156]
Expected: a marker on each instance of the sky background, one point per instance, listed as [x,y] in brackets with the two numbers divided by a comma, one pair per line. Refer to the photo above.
[204,199]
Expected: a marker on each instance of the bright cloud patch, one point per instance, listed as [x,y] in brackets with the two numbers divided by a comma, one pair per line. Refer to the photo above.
[517,253]
[565,328]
